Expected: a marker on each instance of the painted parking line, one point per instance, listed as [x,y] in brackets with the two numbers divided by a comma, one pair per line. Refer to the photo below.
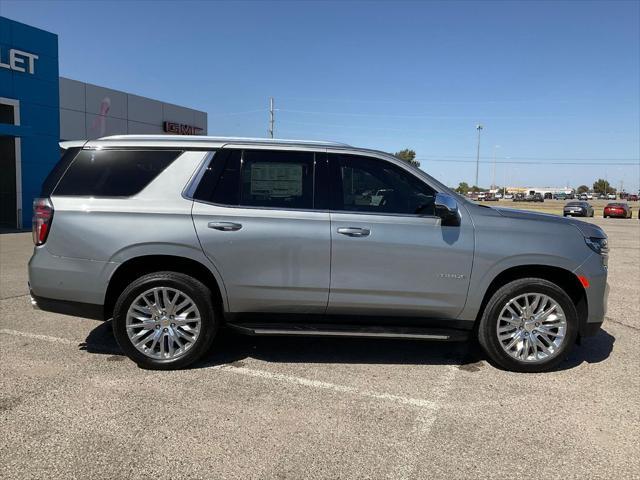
[36,336]
[278,377]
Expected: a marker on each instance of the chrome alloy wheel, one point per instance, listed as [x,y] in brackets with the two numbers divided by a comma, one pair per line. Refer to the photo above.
[531,327]
[163,323]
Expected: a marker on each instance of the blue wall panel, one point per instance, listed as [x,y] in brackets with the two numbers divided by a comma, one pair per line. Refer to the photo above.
[38,94]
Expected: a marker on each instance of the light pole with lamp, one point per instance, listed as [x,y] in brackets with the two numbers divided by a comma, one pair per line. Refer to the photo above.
[479,127]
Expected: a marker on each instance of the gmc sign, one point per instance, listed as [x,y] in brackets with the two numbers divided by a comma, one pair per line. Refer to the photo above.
[181,129]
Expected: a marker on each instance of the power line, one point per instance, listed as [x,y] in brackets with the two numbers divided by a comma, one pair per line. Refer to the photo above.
[439,117]
[262,110]
[544,158]
[619,164]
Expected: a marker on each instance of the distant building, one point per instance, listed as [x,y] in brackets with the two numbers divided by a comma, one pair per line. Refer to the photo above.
[542,190]
[38,108]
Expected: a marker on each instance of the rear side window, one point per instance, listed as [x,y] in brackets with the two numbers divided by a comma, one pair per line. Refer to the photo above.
[113,173]
[260,178]
[277,179]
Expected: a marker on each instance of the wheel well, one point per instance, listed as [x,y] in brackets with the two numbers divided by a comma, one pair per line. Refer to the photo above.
[139,266]
[561,277]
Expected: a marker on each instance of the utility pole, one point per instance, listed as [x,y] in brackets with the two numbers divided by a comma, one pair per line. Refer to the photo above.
[271,117]
[493,181]
[479,127]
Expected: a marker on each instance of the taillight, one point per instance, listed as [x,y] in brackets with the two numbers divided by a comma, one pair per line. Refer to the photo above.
[42,217]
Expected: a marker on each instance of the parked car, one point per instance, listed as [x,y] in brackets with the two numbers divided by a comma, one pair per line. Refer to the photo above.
[618,210]
[578,209]
[176,237]
[632,198]
[536,197]
[508,196]
[602,196]
[583,196]
[589,196]
[611,196]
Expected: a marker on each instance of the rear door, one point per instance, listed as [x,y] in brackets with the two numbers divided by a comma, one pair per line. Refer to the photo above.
[390,254]
[257,213]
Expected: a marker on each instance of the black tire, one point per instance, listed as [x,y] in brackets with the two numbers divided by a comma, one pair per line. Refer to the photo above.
[201,296]
[488,338]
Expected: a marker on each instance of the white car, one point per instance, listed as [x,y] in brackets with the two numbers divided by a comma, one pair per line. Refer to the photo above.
[589,196]
[611,196]
[508,196]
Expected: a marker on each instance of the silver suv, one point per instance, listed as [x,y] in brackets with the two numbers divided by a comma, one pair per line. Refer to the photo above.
[175,237]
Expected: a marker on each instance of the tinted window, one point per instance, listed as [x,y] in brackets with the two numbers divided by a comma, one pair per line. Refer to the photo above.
[220,182]
[259,178]
[54,176]
[113,173]
[277,179]
[363,184]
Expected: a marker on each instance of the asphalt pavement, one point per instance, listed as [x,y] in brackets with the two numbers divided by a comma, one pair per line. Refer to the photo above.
[71,406]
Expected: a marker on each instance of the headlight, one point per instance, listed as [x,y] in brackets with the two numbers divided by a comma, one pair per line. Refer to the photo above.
[598,245]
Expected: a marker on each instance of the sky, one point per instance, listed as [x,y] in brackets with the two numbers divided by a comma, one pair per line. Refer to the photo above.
[556,85]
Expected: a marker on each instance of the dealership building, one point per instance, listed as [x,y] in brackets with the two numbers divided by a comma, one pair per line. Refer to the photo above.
[38,109]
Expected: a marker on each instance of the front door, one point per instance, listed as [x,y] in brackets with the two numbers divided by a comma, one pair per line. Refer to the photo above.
[390,255]
[256,220]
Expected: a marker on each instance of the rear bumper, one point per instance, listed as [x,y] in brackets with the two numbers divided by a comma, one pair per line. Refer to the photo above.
[69,279]
[66,307]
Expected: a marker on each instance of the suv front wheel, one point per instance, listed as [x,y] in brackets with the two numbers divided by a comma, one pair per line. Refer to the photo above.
[165,320]
[528,325]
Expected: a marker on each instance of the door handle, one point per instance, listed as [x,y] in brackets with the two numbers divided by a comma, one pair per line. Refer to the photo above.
[225,226]
[354,231]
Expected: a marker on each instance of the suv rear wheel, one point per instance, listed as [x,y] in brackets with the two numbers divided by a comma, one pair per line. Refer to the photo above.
[165,320]
[528,325]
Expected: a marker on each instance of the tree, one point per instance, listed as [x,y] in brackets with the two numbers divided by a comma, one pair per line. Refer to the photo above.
[463,188]
[408,156]
[602,186]
[583,189]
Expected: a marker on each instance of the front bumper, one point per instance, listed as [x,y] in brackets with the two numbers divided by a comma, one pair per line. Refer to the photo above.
[597,293]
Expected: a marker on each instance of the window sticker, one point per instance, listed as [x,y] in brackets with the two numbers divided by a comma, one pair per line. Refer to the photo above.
[276,179]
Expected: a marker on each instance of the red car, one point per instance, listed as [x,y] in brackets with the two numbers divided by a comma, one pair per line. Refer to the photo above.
[620,210]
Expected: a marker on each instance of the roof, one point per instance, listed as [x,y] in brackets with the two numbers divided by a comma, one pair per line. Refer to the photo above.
[206,140]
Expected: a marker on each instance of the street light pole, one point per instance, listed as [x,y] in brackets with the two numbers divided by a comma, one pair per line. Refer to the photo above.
[479,127]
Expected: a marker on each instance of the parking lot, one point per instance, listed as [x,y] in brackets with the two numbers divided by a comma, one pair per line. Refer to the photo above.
[71,406]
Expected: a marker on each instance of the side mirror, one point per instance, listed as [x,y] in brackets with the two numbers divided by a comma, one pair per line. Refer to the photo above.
[447,210]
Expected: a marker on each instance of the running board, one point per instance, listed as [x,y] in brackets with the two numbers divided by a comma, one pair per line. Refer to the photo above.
[350,331]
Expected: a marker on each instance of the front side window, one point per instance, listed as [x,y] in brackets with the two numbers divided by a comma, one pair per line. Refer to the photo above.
[369,185]
[112,173]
